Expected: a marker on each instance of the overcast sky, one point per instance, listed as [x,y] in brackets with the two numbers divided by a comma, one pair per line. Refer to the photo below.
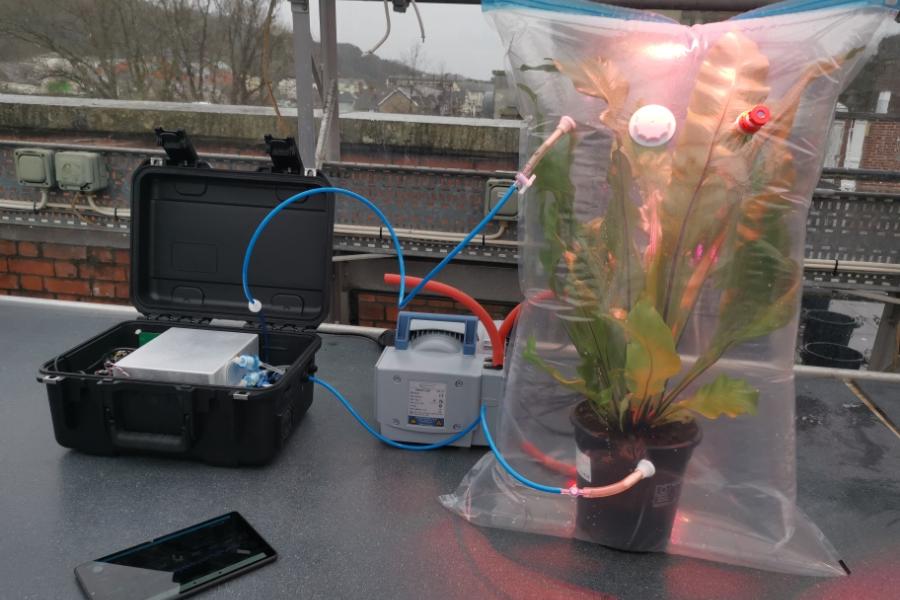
[456,37]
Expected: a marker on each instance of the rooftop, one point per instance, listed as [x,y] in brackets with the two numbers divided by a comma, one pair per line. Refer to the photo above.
[351,517]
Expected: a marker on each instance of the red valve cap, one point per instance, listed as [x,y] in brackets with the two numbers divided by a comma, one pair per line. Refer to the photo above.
[752,120]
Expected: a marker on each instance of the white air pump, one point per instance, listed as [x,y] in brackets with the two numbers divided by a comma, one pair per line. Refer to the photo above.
[432,383]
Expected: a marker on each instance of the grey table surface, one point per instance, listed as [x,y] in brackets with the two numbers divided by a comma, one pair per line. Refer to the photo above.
[352,518]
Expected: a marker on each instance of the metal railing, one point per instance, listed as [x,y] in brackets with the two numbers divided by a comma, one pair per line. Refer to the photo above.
[853,238]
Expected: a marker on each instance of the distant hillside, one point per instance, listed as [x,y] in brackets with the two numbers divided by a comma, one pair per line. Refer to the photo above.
[352,64]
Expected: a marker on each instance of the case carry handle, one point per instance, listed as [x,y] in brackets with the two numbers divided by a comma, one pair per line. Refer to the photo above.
[154,442]
[145,440]
[404,319]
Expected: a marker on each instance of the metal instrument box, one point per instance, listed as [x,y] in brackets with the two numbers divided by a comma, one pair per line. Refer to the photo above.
[194,356]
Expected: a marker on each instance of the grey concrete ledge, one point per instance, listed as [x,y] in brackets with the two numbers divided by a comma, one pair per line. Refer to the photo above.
[218,121]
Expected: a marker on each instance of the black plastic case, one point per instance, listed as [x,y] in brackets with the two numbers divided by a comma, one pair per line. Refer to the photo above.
[190,228]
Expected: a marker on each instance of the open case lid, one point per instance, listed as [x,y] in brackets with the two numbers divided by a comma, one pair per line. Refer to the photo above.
[190,229]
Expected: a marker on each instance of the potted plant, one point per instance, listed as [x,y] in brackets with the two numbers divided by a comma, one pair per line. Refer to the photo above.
[703,214]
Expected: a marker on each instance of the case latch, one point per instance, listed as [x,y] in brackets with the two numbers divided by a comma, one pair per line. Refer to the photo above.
[284,154]
[180,151]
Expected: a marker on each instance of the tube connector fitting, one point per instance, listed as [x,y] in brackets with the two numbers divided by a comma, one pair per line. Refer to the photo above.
[573,491]
[247,361]
[254,305]
[645,468]
[566,124]
[523,182]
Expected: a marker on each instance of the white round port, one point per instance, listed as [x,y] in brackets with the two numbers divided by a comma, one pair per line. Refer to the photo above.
[652,125]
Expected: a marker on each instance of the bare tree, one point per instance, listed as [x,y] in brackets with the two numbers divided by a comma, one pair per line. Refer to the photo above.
[194,50]
[415,59]
[187,54]
[94,61]
[244,22]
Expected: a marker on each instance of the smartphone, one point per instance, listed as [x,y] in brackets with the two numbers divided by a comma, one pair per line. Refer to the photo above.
[178,564]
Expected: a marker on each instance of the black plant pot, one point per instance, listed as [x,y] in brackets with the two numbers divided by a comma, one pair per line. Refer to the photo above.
[828,326]
[826,354]
[640,519]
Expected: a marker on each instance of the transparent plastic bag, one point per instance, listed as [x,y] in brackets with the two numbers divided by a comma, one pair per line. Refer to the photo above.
[662,264]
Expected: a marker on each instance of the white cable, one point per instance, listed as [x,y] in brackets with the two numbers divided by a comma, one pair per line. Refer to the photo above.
[45,198]
[31,206]
[119,213]
[387,32]
[418,18]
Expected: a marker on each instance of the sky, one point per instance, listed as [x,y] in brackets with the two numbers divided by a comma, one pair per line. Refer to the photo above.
[457,37]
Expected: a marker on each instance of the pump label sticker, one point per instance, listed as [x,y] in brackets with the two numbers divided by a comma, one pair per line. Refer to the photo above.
[583,465]
[666,493]
[427,403]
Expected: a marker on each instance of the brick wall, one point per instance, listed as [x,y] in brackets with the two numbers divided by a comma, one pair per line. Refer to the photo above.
[379,309]
[881,152]
[64,272]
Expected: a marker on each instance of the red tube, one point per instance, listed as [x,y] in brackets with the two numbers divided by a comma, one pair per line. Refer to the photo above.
[508,322]
[513,316]
[466,300]
[548,461]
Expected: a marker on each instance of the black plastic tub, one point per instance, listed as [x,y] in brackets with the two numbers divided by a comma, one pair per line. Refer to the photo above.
[828,326]
[640,519]
[826,354]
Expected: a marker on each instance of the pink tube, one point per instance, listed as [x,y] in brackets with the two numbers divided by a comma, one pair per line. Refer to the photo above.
[566,125]
[616,488]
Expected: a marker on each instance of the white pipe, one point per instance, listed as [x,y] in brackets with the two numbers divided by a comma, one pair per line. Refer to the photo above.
[118,213]
[45,198]
[387,32]
[355,257]
[847,374]
[872,296]
[422,234]
[851,266]
[418,18]
[26,205]
[374,333]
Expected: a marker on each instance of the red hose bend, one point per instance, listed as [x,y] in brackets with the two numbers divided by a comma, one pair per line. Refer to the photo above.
[442,289]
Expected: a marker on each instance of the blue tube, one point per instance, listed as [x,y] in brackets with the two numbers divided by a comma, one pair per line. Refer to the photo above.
[323,190]
[509,469]
[459,247]
[390,442]
[403,298]
[790,7]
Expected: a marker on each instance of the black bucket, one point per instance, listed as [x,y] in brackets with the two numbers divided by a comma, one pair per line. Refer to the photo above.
[828,326]
[640,519]
[826,354]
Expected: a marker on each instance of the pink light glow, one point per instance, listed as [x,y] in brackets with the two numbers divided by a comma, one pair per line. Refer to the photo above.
[666,51]
[698,253]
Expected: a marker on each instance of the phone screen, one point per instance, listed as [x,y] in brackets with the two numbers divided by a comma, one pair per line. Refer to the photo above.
[177,564]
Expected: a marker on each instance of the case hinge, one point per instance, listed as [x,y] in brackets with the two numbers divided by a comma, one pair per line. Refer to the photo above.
[284,154]
[286,327]
[177,319]
[180,151]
